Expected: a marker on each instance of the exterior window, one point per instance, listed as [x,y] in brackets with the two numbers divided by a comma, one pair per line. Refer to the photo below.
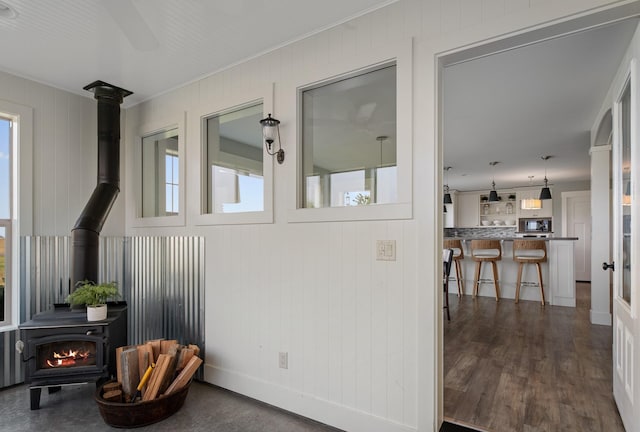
[349,141]
[172,183]
[160,175]
[5,217]
[234,166]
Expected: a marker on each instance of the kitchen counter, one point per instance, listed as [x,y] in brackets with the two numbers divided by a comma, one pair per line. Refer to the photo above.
[511,238]
[558,273]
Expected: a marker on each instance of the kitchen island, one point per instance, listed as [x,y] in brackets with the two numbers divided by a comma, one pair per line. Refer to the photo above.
[558,273]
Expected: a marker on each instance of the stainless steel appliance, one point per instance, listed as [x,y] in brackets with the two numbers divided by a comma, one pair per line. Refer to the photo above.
[534,225]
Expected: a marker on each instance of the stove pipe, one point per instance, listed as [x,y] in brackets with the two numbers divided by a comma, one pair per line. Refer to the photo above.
[85,235]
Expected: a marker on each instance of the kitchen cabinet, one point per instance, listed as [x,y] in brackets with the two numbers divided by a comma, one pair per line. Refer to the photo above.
[547,206]
[467,209]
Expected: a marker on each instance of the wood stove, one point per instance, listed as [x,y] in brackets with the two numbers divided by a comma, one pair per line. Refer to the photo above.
[61,347]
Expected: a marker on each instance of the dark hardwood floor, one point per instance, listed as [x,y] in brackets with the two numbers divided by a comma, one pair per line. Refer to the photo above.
[525,367]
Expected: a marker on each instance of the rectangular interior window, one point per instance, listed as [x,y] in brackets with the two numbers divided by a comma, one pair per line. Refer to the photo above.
[349,141]
[160,174]
[234,164]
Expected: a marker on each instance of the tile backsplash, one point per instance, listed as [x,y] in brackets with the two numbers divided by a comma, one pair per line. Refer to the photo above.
[480,232]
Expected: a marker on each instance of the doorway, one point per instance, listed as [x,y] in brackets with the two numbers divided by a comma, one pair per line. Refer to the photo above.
[503,389]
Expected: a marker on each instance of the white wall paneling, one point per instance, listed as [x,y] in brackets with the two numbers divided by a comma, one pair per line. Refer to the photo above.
[362,336]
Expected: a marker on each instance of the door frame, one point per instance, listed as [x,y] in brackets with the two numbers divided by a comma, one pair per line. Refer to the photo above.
[446,55]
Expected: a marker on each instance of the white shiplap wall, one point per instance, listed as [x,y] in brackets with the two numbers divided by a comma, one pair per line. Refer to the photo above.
[64,157]
[361,334]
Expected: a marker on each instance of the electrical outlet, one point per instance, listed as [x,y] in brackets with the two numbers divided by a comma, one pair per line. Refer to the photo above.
[283,360]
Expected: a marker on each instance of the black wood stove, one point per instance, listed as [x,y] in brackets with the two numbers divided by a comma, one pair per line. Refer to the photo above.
[61,347]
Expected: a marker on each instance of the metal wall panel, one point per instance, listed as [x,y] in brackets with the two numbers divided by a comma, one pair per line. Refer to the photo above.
[166,288]
[161,278]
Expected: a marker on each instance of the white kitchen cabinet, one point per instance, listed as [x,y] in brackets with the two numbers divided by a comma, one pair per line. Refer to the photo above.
[467,209]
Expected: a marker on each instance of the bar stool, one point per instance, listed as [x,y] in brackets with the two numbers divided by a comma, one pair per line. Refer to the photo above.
[529,252]
[458,255]
[486,251]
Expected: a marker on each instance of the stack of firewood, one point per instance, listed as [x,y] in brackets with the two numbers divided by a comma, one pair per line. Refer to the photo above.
[150,370]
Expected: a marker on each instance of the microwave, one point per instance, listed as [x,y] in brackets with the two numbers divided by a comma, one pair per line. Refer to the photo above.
[537,225]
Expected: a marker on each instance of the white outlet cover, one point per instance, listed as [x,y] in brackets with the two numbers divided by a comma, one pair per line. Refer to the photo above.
[385,250]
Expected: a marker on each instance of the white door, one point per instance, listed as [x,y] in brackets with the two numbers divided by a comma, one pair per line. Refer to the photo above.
[626,250]
[577,223]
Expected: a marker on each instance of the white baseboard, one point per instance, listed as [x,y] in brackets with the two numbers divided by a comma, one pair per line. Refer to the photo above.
[564,301]
[600,318]
[307,405]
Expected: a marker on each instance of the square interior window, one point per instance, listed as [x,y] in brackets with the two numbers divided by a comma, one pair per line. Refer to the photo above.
[160,174]
[349,141]
[234,180]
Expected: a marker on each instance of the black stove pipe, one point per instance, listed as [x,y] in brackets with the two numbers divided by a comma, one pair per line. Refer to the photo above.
[85,235]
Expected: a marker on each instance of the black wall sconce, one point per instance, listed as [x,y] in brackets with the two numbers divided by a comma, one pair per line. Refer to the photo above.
[271,128]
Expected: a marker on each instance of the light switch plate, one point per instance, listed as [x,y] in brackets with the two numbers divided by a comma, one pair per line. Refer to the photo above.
[385,250]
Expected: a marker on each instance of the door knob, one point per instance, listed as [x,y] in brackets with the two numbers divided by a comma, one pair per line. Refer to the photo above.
[611,266]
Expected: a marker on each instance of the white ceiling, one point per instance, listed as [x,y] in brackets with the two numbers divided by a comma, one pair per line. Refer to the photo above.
[151,46]
[516,106]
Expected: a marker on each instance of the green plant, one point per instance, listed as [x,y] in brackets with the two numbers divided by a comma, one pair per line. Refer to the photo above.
[92,294]
[362,199]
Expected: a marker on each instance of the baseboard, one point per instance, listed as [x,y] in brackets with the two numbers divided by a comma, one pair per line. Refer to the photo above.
[600,318]
[564,301]
[307,405]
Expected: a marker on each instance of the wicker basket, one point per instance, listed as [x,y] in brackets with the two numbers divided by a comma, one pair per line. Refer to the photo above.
[132,415]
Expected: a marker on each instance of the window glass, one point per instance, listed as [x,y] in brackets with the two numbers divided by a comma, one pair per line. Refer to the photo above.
[160,175]
[626,210]
[349,141]
[3,272]
[5,212]
[5,172]
[234,173]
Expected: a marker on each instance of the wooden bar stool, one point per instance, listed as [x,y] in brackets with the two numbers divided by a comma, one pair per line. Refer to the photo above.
[529,252]
[486,251]
[458,255]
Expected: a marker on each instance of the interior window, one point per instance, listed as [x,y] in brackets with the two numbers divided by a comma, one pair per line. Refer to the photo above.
[160,175]
[349,141]
[234,180]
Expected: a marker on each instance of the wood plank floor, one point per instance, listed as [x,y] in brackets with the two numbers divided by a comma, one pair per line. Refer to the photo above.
[524,367]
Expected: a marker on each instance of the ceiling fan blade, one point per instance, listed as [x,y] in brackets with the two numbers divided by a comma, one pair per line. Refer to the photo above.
[132,24]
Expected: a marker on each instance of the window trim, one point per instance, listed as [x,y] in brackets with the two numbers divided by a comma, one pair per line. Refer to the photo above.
[176,122]
[402,57]
[265,97]
[21,220]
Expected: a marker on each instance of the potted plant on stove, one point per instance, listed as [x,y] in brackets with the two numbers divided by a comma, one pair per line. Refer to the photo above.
[94,296]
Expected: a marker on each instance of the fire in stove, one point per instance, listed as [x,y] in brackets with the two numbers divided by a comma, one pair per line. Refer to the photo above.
[66,354]
[69,359]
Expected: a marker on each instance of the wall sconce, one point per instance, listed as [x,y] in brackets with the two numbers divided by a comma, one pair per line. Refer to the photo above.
[270,127]
[545,193]
[493,195]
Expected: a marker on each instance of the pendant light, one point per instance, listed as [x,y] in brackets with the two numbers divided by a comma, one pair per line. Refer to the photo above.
[530,203]
[493,195]
[447,195]
[545,193]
